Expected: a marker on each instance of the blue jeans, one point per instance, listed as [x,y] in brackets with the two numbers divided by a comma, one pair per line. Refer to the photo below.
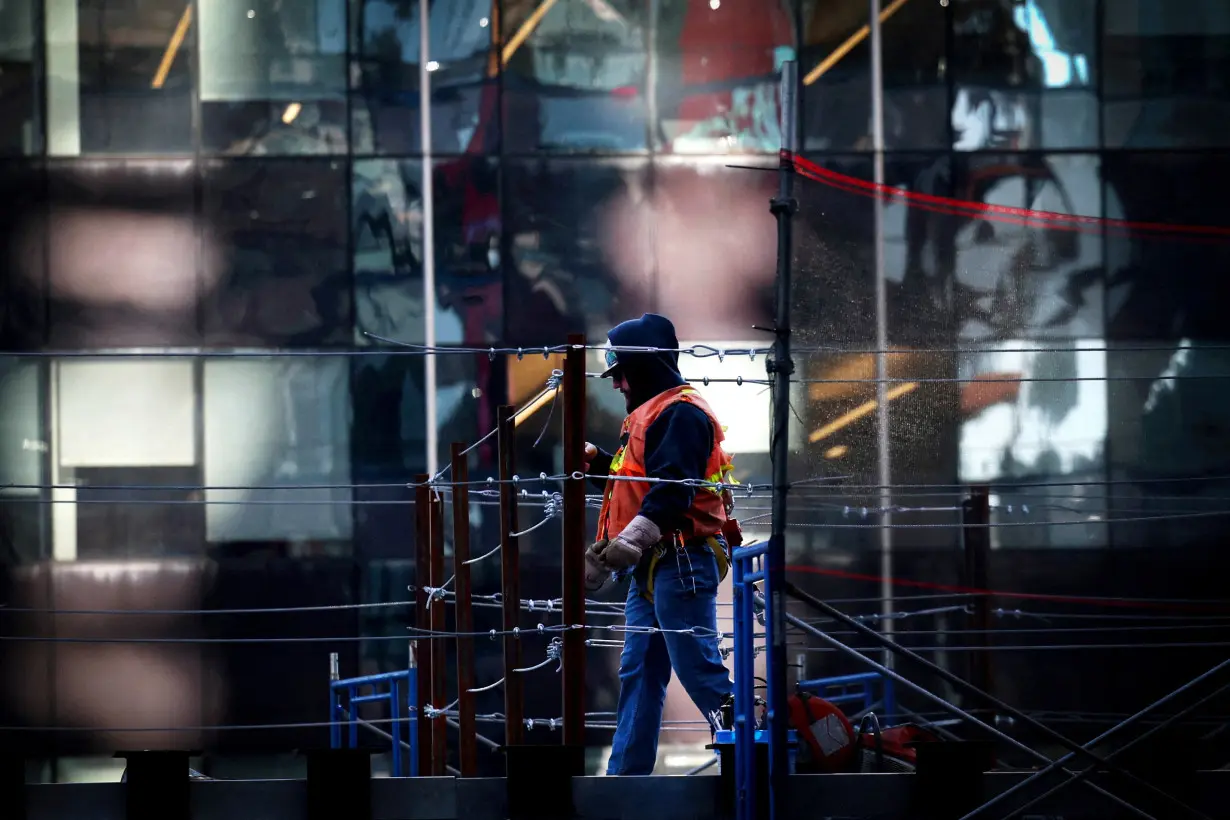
[685,596]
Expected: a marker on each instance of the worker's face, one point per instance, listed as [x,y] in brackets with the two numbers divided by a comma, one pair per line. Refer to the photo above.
[621,384]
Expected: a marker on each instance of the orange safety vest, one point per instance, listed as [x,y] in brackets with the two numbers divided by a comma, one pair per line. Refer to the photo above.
[621,501]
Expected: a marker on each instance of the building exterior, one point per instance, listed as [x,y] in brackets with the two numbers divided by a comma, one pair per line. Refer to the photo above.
[211,210]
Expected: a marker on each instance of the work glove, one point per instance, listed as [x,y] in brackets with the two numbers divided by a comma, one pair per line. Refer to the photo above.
[625,549]
[596,572]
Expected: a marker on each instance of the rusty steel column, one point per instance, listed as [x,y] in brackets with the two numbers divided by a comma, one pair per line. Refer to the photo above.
[422,619]
[510,570]
[468,747]
[439,624]
[573,558]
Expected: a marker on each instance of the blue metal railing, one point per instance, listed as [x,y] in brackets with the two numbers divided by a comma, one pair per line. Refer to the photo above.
[398,689]
[871,688]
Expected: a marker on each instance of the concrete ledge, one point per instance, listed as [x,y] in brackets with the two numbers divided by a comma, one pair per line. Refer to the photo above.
[849,797]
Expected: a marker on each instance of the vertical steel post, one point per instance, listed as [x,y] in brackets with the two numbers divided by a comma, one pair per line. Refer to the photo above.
[335,703]
[427,166]
[466,720]
[780,368]
[416,717]
[422,619]
[745,709]
[884,473]
[439,625]
[976,534]
[510,582]
[573,558]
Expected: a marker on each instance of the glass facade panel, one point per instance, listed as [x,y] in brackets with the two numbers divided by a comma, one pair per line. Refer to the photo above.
[120,77]
[20,106]
[387,242]
[278,430]
[273,77]
[125,260]
[282,276]
[1165,67]
[835,69]
[1167,254]
[575,76]
[385,38]
[564,229]
[716,73]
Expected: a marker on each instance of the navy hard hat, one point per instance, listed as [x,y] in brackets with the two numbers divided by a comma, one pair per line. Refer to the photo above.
[651,331]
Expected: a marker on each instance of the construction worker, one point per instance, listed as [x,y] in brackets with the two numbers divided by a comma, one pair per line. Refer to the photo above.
[669,536]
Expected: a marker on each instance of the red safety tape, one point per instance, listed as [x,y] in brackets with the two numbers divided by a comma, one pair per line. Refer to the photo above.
[999,213]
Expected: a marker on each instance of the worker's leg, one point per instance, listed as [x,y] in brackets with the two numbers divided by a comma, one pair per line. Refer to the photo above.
[685,598]
[644,672]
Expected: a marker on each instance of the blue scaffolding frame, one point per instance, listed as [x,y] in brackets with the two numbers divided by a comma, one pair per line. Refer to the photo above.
[399,689]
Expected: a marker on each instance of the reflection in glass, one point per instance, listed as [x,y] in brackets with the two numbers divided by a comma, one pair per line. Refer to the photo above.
[1037,412]
[1165,68]
[125,258]
[272,424]
[716,74]
[971,246]
[1022,75]
[273,76]
[19,106]
[835,64]
[119,77]
[282,229]
[564,232]
[23,456]
[385,76]
[574,77]
[1170,438]
[388,245]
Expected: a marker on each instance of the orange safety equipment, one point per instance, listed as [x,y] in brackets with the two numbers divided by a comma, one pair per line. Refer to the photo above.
[621,501]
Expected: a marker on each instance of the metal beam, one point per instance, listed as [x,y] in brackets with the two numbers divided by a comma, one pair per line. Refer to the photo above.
[573,543]
[973,691]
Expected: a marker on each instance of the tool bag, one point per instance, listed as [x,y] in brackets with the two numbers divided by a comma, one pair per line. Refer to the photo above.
[826,738]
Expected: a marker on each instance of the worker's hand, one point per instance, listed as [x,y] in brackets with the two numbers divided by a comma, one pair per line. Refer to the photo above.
[626,549]
[591,453]
[596,572]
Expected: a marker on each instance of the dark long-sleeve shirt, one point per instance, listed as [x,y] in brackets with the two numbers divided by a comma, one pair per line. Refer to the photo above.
[677,447]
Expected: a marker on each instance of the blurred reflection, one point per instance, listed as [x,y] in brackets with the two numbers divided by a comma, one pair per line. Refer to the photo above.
[716,72]
[20,121]
[273,76]
[576,79]
[284,228]
[562,280]
[698,227]
[387,237]
[127,261]
[385,65]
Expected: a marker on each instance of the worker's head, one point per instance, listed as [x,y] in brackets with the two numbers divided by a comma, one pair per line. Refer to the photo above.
[642,374]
